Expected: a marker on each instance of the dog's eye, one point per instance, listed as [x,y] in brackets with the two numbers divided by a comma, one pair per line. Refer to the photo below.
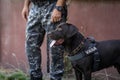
[59,29]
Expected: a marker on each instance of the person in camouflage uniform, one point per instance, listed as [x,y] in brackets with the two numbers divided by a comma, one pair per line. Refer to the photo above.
[44,16]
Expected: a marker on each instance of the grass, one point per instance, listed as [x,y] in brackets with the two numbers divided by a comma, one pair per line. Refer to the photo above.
[17,74]
[10,74]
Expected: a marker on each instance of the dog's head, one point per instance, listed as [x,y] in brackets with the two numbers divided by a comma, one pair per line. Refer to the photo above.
[63,31]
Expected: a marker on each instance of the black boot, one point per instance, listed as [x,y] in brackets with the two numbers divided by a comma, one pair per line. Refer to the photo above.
[55,79]
[35,78]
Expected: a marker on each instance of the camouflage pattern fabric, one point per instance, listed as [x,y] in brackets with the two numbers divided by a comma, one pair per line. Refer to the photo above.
[38,24]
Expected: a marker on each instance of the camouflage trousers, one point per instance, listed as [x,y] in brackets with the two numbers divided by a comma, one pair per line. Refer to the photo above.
[38,24]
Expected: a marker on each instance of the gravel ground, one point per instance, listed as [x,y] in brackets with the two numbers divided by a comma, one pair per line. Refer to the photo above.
[68,77]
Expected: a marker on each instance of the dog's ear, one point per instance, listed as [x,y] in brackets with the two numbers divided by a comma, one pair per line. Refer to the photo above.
[71,30]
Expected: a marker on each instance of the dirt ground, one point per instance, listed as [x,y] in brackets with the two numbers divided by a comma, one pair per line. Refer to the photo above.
[106,74]
[68,77]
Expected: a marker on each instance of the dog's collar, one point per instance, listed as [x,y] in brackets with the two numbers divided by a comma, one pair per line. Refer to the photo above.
[77,56]
[78,48]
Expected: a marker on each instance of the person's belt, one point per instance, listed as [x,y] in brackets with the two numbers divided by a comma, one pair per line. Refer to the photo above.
[43,0]
[47,0]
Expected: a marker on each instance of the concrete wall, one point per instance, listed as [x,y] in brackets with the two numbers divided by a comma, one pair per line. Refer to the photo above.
[12,37]
[99,19]
[12,34]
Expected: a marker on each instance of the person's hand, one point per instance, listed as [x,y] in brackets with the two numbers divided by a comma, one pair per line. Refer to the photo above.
[25,13]
[56,16]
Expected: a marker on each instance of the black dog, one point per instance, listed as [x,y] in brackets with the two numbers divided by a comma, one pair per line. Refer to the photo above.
[82,51]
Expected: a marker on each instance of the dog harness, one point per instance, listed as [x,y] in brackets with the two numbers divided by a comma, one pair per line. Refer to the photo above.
[91,50]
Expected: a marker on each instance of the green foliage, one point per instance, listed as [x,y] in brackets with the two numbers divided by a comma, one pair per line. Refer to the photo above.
[67,65]
[12,75]
[2,76]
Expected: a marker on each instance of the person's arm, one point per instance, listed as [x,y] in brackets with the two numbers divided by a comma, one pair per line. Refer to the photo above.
[25,10]
[56,14]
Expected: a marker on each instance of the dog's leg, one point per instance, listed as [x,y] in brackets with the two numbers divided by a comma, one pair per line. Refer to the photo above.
[117,65]
[87,75]
[118,68]
[78,74]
